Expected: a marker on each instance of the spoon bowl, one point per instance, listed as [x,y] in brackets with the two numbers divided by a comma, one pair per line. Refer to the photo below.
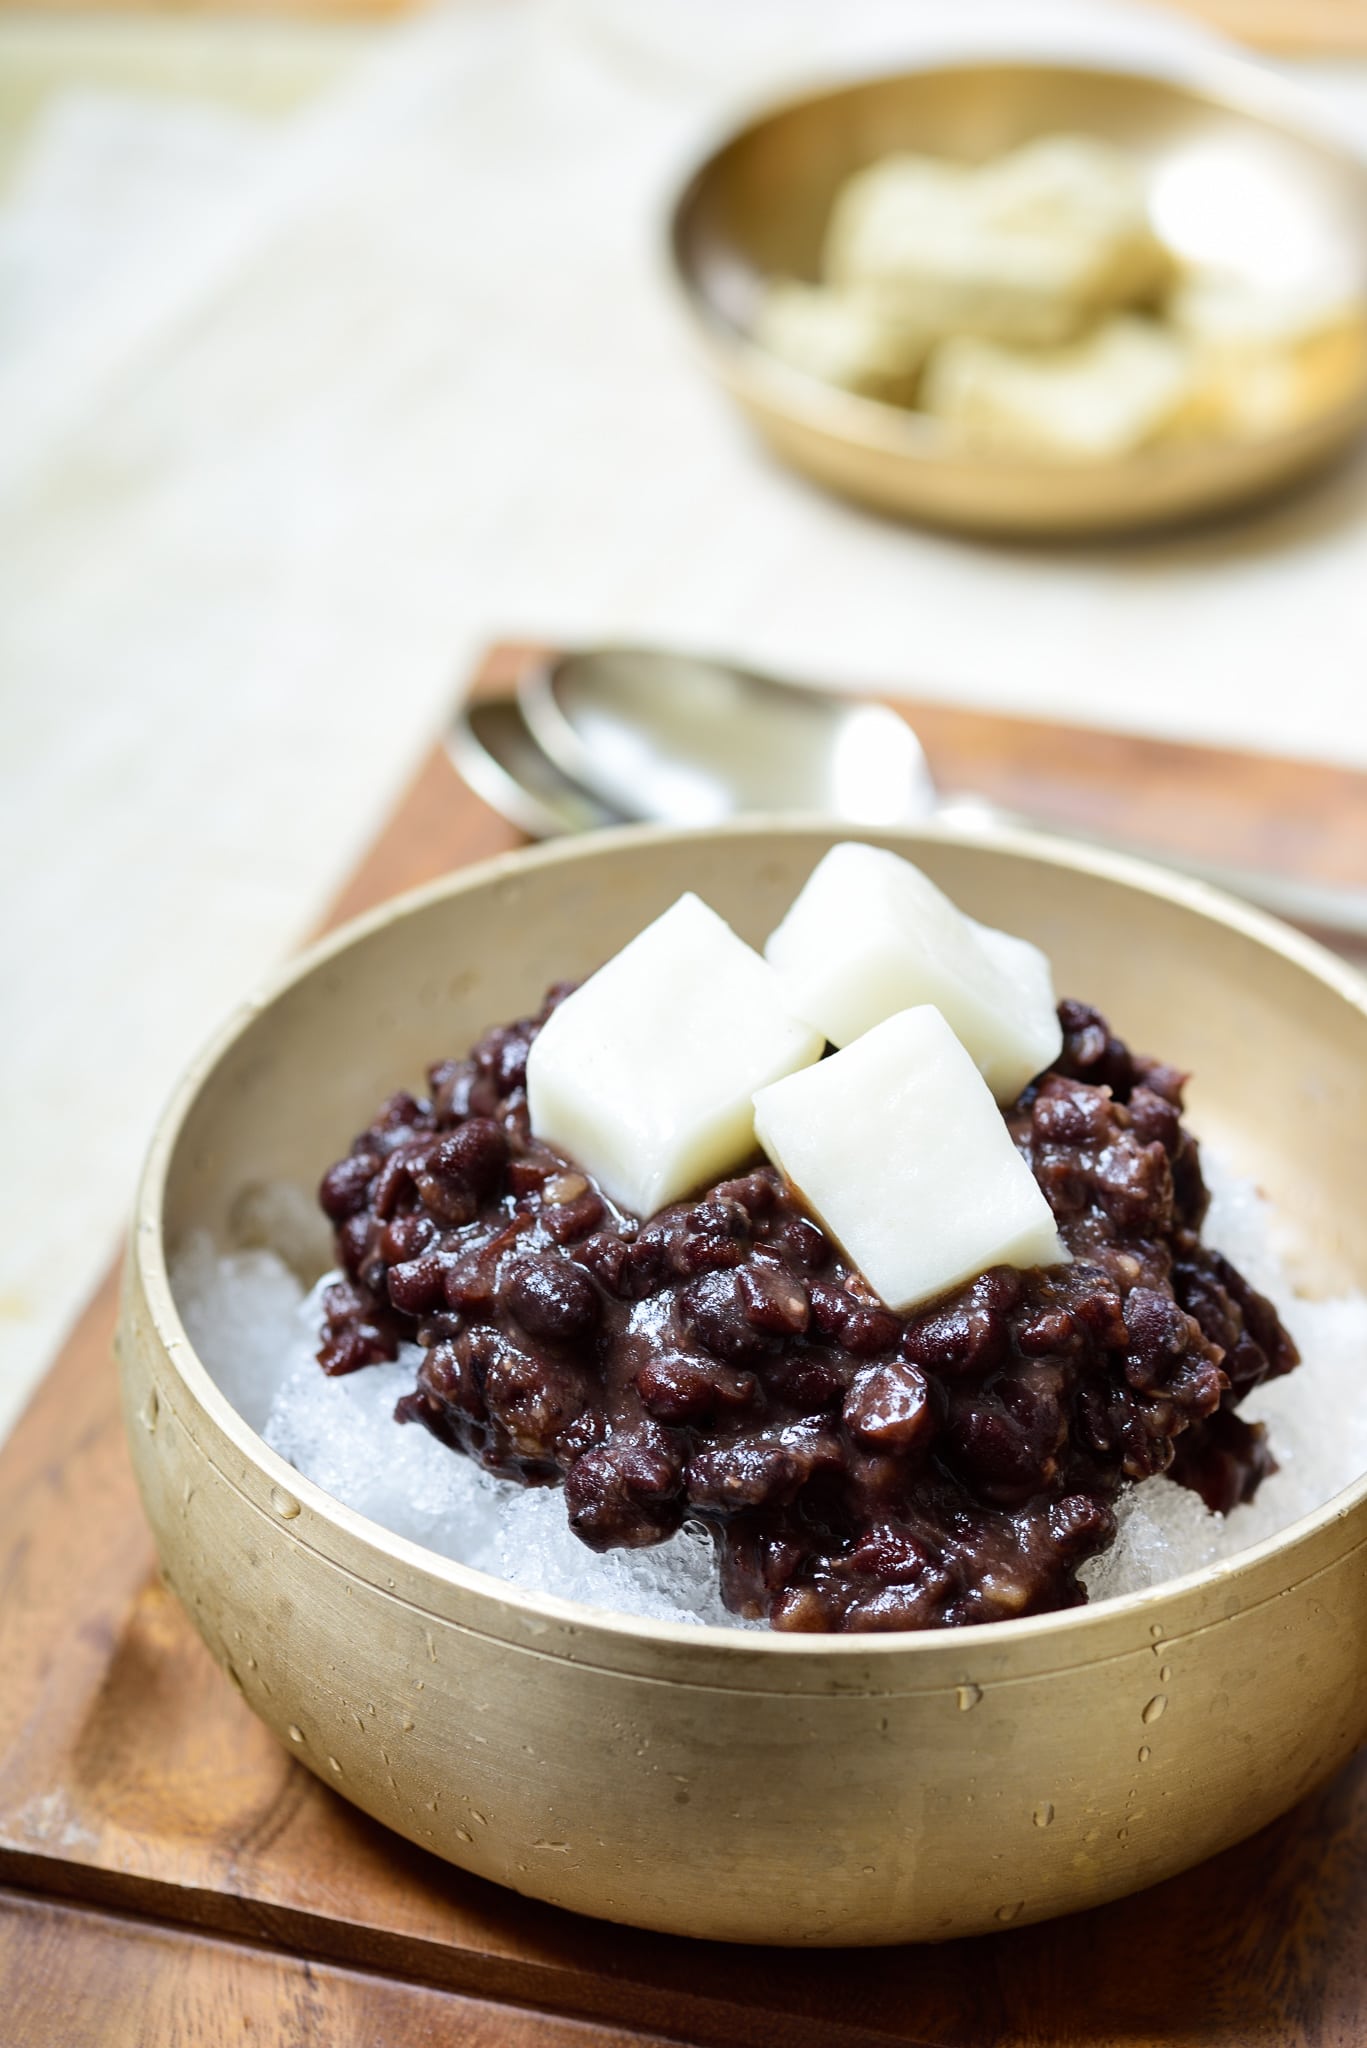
[678,739]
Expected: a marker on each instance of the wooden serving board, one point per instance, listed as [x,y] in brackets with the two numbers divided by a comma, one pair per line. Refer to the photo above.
[169,1876]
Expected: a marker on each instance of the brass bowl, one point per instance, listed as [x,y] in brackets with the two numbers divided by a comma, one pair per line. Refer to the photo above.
[1230,149]
[749,1786]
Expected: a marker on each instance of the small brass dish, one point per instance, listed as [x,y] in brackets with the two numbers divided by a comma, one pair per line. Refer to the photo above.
[743,1785]
[1236,173]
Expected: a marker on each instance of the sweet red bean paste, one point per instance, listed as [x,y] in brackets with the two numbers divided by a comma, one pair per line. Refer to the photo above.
[722,1362]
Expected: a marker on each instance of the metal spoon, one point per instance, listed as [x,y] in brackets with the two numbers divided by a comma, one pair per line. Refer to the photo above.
[686,741]
[628,733]
[491,747]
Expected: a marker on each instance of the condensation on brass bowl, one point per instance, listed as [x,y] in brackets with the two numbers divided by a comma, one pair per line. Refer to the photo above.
[1235,172]
[749,1786]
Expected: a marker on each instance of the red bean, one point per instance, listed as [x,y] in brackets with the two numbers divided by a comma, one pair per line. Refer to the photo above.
[860,1469]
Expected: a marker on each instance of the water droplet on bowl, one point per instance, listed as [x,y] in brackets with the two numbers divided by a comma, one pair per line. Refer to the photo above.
[1156,1706]
[1005,1913]
[968,1696]
[1145,1753]
[1044,1814]
[295,1734]
[285,1504]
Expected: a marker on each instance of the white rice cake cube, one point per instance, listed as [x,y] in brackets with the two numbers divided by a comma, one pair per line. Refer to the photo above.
[1223,309]
[899,1151]
[1028,248]
[1268,358]
[840,338]
[870,935]
[1090,192]
[645,1075]
[1123,385]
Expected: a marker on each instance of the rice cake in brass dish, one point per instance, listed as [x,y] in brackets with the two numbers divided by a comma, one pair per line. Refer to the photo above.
[748,1785]
[1236,175]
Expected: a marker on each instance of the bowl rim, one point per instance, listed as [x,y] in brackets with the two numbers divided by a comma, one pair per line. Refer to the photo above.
[1070,1626]
[1227,82]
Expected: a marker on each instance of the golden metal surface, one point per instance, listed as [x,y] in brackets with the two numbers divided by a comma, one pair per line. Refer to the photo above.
[752,1786]
[1236,173]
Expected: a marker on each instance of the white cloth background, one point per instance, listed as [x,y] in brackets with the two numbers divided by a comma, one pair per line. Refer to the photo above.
[297,414]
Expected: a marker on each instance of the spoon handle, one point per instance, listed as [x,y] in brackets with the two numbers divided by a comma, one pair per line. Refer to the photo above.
[1325,906]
